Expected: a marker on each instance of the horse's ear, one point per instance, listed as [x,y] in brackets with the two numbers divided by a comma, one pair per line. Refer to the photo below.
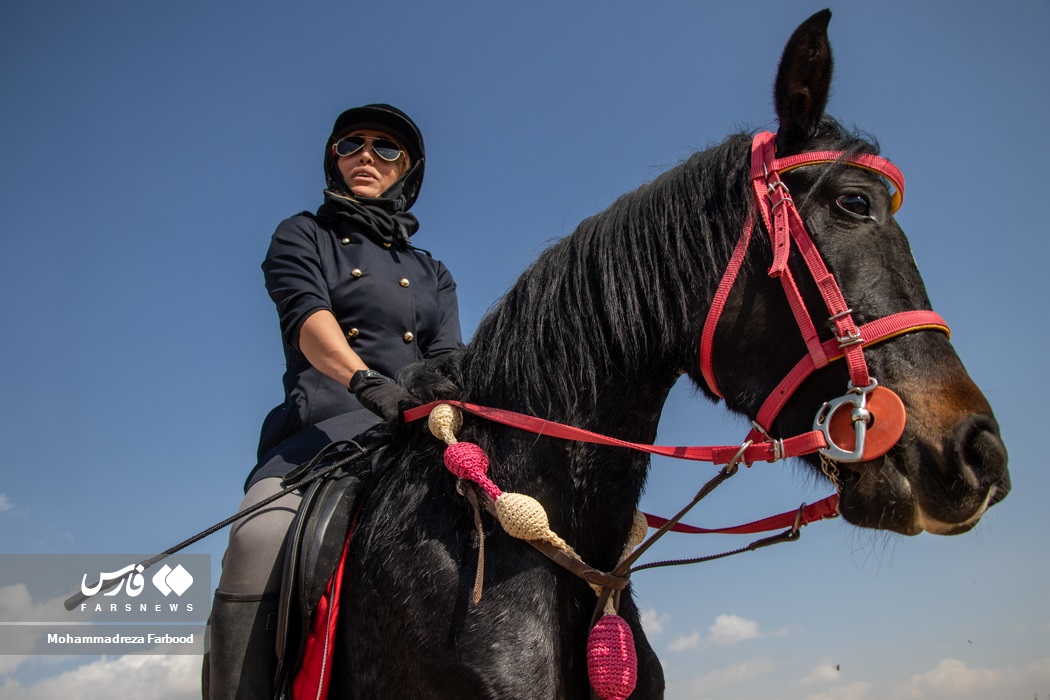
[803,82]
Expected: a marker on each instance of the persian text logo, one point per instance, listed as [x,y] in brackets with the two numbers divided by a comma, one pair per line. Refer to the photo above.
[167,581]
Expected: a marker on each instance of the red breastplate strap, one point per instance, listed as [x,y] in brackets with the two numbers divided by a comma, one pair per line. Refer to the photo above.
[784,225]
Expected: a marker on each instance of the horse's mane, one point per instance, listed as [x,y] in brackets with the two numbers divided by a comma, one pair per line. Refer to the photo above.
[608,297]
[615,296]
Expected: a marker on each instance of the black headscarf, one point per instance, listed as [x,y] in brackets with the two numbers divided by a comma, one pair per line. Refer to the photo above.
[376,218]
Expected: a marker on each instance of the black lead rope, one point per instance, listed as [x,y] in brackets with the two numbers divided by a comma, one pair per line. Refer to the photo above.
[790,535]
[296,479]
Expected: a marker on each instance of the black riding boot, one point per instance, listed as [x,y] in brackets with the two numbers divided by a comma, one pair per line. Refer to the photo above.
[241,661]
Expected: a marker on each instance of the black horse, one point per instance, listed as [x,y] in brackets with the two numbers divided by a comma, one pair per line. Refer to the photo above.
[594,334]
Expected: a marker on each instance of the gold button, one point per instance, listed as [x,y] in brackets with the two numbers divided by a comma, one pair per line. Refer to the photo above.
[345,240]
[387,245]
[353,333]
[356,272]
[408,337]
[403,282]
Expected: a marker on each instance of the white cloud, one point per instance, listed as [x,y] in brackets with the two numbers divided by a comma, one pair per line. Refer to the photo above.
[155,677]
[853,691]
[953,676]
[732,629]
[952,679]
[731,675]
[823,672]
[653,622]
[690,641]
[5,503]
[16,605]
[725,631]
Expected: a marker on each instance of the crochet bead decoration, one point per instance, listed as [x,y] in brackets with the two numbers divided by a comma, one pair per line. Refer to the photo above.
[444,422]
[612,663]
[468,461]
[524,517]
[639,529]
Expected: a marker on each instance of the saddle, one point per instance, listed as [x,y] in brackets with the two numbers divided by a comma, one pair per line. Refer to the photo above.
[314,547]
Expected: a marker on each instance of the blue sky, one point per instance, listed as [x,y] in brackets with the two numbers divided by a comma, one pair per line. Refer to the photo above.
[148,151]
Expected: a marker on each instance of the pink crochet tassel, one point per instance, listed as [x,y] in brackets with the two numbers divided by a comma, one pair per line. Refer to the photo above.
[468,461]
[612,664]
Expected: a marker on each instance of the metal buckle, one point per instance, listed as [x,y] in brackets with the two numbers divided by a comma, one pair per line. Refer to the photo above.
[775,185]
[835,317]
[851,338]
[798,521]
[778,444]
[734,463]
[860,416]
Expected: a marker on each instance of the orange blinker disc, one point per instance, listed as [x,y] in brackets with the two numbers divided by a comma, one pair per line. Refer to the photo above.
[885,429]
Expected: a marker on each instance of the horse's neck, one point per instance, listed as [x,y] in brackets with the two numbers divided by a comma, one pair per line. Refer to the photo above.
[628,300]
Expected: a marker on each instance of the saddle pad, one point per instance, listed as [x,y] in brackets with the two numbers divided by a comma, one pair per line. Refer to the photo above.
[314,675]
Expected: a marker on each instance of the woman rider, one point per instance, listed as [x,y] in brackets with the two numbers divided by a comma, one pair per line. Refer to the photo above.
[356,303]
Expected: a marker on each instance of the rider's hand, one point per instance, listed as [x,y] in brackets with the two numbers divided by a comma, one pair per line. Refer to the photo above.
[382,396]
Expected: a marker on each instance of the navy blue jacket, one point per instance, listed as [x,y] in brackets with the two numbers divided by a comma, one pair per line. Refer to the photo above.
[394,304]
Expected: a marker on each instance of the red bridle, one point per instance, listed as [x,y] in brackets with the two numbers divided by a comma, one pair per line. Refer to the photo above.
[832,428]
[785,227]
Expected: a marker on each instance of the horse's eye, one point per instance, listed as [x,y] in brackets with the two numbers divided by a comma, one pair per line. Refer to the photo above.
[856,204]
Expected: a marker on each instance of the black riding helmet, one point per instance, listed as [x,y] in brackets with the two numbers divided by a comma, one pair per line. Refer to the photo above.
[382,117]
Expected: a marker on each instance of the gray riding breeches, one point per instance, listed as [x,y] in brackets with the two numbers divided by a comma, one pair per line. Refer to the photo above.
[251,566]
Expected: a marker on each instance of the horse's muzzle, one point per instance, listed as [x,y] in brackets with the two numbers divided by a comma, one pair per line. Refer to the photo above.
[942,489]
[971,478]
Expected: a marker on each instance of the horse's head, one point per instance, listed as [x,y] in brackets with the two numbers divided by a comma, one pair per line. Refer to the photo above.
[949,464]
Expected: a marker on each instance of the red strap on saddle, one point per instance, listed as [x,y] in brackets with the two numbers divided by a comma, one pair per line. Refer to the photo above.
[314,675]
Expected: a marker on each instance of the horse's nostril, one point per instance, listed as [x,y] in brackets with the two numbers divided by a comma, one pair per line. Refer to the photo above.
[980,455]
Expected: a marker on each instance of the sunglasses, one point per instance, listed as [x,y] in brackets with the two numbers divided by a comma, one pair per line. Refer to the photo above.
[384,148]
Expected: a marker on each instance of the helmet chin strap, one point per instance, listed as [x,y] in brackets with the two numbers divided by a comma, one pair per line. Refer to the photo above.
[396,189]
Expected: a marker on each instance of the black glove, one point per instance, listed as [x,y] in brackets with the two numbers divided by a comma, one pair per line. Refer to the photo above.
[382,396]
